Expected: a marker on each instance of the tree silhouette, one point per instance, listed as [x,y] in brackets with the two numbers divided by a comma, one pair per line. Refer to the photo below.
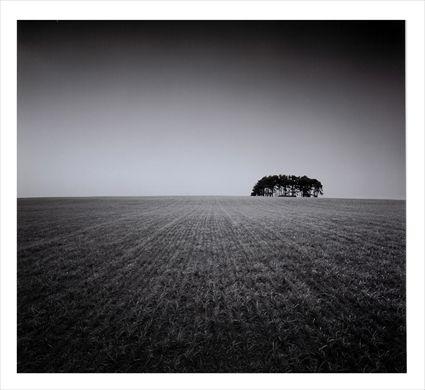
[287,186]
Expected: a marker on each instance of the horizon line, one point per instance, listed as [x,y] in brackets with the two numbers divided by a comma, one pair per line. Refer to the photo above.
[192,196]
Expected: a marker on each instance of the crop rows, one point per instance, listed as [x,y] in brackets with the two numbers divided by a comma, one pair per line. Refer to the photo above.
[211,284]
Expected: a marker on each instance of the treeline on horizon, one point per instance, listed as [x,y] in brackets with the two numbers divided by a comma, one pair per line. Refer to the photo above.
[287,186]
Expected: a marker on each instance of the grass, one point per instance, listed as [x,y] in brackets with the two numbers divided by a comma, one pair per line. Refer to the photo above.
[211,284]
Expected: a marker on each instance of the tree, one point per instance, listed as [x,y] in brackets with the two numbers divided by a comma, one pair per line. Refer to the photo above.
[287,185]
[317,188]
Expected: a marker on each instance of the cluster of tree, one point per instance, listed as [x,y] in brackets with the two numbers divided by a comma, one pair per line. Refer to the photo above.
[287,185]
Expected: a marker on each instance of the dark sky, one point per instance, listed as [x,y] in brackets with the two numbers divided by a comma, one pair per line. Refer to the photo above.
[208,107]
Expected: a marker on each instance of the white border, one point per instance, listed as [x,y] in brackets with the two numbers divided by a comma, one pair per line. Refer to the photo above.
[411,11]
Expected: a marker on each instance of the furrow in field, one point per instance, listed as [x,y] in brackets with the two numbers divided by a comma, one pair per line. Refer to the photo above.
[368,228]
[284,260]
[108,240]
[312,230]
[123,279]
[301,269]
[152,314]
[261,250]
[92,228]
[102,264]
[352,300]
[255,311]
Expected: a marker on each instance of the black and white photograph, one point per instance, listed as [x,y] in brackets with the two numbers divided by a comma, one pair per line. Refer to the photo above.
[220,196]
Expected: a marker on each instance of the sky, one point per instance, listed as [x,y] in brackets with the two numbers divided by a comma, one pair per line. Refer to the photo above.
[135,108]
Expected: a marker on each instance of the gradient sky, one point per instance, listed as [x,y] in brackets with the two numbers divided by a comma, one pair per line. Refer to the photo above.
[207,108]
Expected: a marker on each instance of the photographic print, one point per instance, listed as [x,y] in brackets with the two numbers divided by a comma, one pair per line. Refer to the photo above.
[211,196]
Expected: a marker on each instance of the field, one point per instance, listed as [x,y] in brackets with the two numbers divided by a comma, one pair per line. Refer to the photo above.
[211,284]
